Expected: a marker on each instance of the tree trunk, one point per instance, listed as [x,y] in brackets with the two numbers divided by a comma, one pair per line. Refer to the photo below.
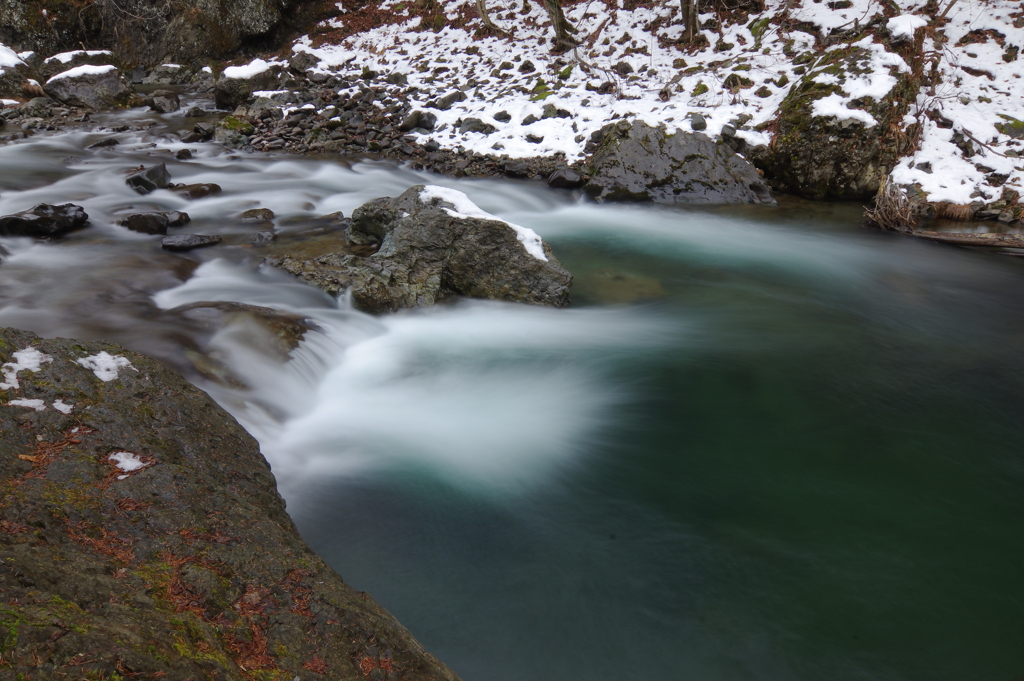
[690,19]
[563,29]
[481,7]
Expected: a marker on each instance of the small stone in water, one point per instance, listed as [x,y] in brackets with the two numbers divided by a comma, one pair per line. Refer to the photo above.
[263,238]
[146,223]
[186,242]
[197,191]
[183,154]
[257,215]
[109,142]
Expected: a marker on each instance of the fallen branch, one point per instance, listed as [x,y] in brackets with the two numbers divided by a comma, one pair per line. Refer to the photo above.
[988,240]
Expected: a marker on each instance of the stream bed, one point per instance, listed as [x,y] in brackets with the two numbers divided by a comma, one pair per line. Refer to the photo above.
[763,443]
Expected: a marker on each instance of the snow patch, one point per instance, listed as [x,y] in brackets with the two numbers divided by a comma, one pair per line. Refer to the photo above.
[835,106]
[127,462]
[905,25]
[84,70]
[62,407]
[66,57]
[9,102]
[253,68]
[28,359]
[38,405]
[464,209]
[105,366]
[9,58]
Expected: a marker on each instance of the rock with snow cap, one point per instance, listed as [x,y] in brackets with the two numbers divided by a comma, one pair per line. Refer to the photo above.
[136,512]
[93,87]
[64,61]
[637,162]
[237,83]
[431,244]
[14,74]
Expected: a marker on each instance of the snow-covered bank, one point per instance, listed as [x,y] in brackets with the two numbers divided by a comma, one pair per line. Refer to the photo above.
[630,64]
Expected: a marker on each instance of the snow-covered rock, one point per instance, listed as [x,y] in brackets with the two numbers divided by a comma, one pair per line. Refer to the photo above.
[95,87]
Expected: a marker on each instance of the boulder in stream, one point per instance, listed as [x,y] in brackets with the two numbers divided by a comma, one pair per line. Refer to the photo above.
[154,223]
[432,243]
[149,179]
[44,221]
[637,162]
[163,101]
[143,535]
[237,83]
[93,87]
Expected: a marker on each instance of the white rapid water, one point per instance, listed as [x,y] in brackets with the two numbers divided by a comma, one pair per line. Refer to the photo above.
[482,393]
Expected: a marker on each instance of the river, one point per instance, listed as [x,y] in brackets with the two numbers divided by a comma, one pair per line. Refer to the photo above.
[762,444]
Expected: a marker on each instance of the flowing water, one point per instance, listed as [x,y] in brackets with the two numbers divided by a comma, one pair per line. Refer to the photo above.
[762,444]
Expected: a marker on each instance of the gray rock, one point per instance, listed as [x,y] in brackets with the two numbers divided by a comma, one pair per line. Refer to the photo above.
[565,178]
[163,101]
[104,88]
[503,117]
[300,62]
[168,75]
[426,254]
[103,554]
[530,120]
[228,93]
[13,80]
[636,162]
[446,102]
[149,179]
[476,125]
[44,221]
[195,112]
[187,242]
[697,122]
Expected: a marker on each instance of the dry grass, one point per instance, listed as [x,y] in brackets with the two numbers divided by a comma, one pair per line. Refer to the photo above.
[892,210]
[952,211]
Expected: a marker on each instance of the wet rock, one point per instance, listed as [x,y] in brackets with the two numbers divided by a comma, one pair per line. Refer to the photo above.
[154,223]
[196,191]
[195,112]
[565,178]
[187,242]
[104,144]
[183,154]
[93,87]
[163,101]
[282,331]
[263,238]
[257,215]
[149,179]
[636,162]
[517,169]
[434,244]
[44,221]
[90,547]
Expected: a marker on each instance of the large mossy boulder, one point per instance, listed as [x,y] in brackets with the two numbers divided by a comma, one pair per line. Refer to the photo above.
[142,536]
[830,143]
[638,162]
[428,245]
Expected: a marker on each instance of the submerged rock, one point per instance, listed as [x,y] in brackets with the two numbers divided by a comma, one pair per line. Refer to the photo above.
[197,191]
[431,244]
[44,221]
[93,87]
[187,242]
[636,162]
[143,534]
